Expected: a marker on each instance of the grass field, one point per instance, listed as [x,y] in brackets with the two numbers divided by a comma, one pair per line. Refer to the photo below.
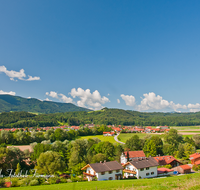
[101,137]
[189,128]
[189,182]
[124,136]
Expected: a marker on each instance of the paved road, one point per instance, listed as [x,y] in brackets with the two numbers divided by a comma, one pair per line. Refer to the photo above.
[115,137]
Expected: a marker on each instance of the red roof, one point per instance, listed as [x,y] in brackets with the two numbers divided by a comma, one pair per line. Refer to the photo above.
[164,160]
[197,162]
[134,154]
[194,156]
[164,170]
[185,167]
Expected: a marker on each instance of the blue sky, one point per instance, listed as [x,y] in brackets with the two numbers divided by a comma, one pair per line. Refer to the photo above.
[135,55]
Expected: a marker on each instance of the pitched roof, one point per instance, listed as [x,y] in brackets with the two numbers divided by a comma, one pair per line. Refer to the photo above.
[185,167]
[135,154]
[164,160]
[105,166]
[164,170]
[194,156]
[143,163]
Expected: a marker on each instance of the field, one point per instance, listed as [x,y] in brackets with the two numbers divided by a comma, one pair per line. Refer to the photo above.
[124,136]
[101,137]
[183,182]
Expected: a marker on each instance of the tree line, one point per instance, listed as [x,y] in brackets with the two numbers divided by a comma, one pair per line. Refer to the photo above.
[105,116]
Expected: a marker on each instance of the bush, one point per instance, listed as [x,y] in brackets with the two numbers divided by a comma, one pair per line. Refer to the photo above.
[195,167]
[54,180]
[15,182]
[2,181]
[34,182]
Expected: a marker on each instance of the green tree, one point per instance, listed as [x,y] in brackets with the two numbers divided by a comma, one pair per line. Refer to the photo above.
[150,148]
[134,143]
[50,163]
[98,157]
[17,171]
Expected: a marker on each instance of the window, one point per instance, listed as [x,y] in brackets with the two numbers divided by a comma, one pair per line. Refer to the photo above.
[152,173]
[102,173]
[147,168]
[110,178]
[110,172]
[147,174]
[142,169]
[117,171]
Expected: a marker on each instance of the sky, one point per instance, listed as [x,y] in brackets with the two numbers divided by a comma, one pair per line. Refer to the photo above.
[132,55]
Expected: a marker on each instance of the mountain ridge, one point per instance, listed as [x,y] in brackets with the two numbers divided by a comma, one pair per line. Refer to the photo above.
[16,103]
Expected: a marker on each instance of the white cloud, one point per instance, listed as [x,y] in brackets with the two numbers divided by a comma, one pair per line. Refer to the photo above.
[129,100]
[15,74]
[66,99]
[108,94]
[47,99]
[52,94]
[89,99]
[60,97]
[151,101]
[10,93]
[118,101]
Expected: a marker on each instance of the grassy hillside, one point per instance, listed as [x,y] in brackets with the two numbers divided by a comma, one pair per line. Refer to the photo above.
[189,182]
[15,103]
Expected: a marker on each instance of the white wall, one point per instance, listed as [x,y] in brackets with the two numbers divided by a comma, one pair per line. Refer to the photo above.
[140,173]
[123,159]
[107,175]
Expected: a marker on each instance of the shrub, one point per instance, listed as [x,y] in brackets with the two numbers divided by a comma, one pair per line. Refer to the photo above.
[15,182]
[34,182]
[195,167]
[54,180]
[2,181]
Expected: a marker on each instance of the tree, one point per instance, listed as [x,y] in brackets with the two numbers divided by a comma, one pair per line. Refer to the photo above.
[150,148]
[133,143]
[50,163]
[17,171]
[158,144]
[98,157]
[173,138]
[197,140]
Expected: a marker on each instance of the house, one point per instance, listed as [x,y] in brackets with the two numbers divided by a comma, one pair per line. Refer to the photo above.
[103,171]
[195,158]
[108,133]
[165,171]
[141,168]
[132,155]
[166,160]
[183,169]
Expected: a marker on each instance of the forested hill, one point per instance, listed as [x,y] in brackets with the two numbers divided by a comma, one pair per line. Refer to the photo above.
[16,103]
[105,116]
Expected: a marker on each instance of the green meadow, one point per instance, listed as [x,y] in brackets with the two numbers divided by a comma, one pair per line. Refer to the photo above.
[124,136]
[189,182]
[101,137]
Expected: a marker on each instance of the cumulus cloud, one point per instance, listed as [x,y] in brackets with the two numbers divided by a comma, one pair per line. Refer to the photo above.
[118,101]
[17,74]
[129,100]
[47,99]
[89,99]
[60,97]
[10,93]
[151,101]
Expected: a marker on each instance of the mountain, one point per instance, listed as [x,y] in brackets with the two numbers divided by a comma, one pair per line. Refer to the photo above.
[15,103]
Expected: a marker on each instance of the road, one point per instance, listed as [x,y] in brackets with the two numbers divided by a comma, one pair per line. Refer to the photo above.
[115,137]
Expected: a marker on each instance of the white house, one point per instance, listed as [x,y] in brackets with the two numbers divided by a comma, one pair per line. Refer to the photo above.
[103,171]
[141,168]
[131,155]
